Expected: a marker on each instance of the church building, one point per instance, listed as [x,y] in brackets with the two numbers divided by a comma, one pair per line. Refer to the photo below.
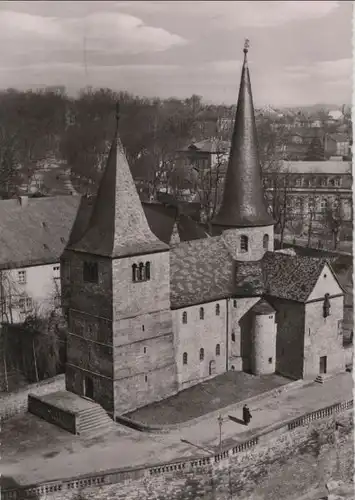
[147,319]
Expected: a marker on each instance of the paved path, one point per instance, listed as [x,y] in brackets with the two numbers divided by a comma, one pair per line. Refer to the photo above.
[25,461]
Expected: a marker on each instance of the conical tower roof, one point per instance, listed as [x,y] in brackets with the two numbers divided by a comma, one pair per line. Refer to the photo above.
[243,202]
[117,226]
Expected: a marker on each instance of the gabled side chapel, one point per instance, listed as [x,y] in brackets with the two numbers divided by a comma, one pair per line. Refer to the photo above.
[147,319]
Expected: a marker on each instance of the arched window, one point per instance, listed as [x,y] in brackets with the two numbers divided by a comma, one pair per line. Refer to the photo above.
[218,309]
[202,354]
[147,270]
[234,303]
[202,313]
[134,272]
[184,358]
[266,242]
[184,317]
[141,271]
[244,243]
[233,337]
[218,349]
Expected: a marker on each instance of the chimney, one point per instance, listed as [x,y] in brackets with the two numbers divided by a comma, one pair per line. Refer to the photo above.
[23,200]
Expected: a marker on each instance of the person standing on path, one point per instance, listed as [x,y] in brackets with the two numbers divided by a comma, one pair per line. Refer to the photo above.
[246,415]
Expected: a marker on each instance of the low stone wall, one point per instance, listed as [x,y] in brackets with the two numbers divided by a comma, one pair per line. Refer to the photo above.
[16,402]
[281,462]
[64,419]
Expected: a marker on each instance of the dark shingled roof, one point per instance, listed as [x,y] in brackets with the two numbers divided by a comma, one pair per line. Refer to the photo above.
[35,232]
[201,271]
[291,277]
[161,221]
[249,279]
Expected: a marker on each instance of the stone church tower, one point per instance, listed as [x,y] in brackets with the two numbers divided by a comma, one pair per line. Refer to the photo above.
[116,291]
[243,220]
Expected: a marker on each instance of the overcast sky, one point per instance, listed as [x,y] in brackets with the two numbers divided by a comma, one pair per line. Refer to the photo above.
[300,52]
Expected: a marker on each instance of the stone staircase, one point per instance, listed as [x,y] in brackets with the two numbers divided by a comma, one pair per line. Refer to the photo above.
[94,421]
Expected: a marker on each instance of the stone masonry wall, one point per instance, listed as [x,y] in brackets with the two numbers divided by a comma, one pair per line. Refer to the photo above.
[290,319]
[146,388]
[144,362]
[16,402]
[255,242]
[198,334]
[102,386]
[136,298]
[91,298]
[240,326]
[282,464]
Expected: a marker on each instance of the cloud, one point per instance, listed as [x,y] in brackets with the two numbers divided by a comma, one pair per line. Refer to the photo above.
[238,13]
[104,31]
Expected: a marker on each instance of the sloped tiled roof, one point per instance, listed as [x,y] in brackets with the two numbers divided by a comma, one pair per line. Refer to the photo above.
[201,271]
[160,218]
[35,232]
[290,277]
[161,221]
[249,279]
[209,146]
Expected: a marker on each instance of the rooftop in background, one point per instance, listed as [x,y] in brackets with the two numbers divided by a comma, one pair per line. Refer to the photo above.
[318,167]
[34,231]
[208,146]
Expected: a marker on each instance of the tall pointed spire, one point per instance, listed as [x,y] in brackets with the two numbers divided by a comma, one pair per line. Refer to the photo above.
[118,226]
[243,202]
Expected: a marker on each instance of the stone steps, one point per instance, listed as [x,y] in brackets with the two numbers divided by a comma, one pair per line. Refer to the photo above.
[94,421]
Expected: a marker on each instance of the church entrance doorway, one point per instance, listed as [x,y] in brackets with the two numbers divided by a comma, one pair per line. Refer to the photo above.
[212,367]
[88,387]
[323,364]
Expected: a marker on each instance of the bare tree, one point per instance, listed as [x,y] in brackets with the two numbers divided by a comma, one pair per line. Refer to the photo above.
[209,183]
[311,216]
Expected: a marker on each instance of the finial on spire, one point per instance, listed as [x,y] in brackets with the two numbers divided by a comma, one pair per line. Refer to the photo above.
[246,45]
